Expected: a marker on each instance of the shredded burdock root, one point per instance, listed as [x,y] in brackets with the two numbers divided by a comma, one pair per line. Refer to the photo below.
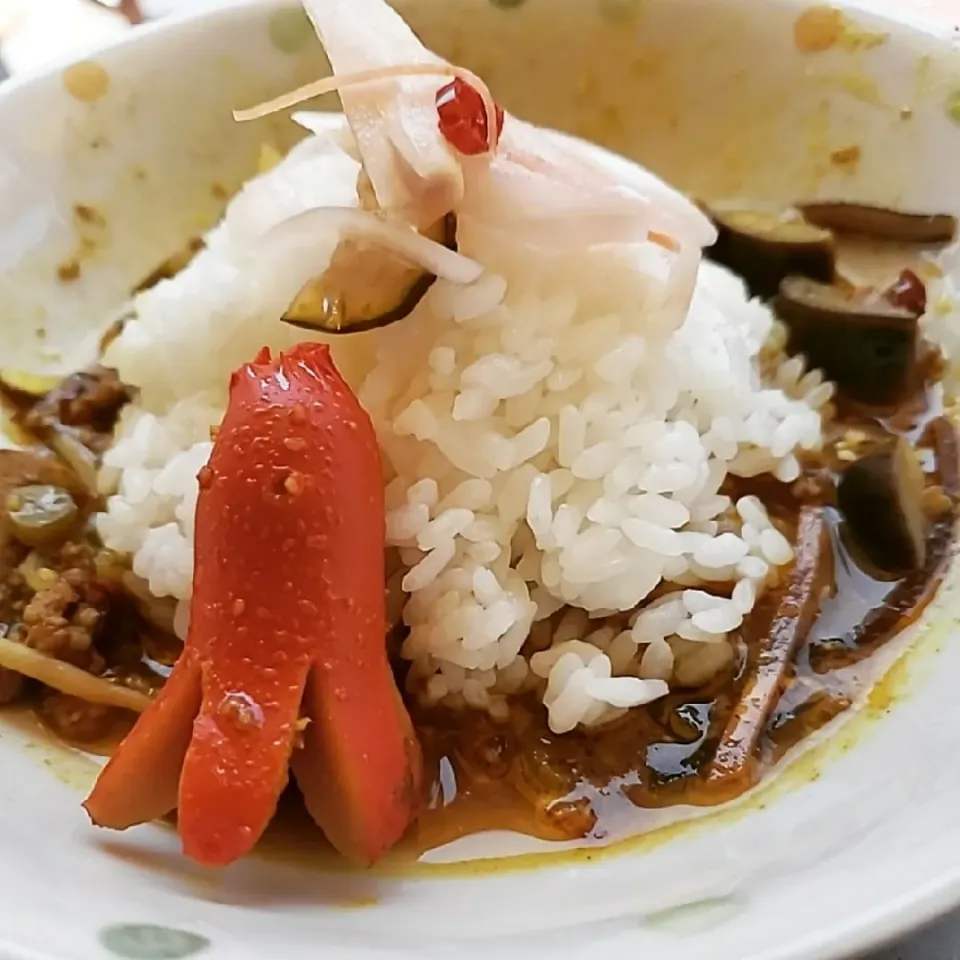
[69,679]
[334,84]
[735,765]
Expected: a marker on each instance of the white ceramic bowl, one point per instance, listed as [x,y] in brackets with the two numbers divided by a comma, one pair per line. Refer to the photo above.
[858,841]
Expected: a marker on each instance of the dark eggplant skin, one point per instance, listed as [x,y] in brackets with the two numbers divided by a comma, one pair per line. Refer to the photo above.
[881,499]
[764,248]
[324,307]
[867,345]
[881,223]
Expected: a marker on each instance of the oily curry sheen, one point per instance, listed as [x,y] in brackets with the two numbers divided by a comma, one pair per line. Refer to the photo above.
[520,776]
[708,745]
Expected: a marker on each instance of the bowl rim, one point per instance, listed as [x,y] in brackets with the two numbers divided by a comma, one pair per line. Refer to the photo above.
[864,931]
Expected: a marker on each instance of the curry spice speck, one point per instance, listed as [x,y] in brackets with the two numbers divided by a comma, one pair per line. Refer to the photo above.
[90,215]
[847,158]
[68,271]
[824,27]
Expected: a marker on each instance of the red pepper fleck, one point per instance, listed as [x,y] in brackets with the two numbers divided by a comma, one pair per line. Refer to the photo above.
[908,293]
[463,118]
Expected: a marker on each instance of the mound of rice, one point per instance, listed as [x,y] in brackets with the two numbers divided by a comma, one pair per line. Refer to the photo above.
[557,438]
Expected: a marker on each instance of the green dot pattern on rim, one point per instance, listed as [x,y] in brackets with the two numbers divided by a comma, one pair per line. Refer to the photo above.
[290,29]
[952,106]
[142,941]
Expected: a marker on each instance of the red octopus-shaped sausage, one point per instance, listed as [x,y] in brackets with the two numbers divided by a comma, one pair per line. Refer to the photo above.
[285,663]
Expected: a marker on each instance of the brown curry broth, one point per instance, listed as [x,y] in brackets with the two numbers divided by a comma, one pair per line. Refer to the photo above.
[519,776]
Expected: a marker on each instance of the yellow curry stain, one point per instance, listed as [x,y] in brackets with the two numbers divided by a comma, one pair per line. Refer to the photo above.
[821,28]
[818,29]
[86,81]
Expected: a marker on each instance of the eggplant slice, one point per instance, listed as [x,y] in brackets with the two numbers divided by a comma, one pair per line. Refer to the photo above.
[867,345]
[881,499]
[763,248]
[907,600]
[366,287]
[880,223]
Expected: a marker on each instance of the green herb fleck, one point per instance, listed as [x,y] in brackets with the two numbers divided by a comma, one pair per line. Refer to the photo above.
[507,4]
[141,941]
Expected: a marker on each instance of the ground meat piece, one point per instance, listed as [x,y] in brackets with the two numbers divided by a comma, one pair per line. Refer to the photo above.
[11,686]
[77,720]
[89,401]
[14,592]
[62,619]
[77,560]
